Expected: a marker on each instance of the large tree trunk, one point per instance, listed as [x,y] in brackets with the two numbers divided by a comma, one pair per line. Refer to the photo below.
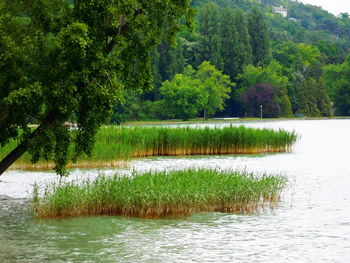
[18,151]
[13,156]
[3,113]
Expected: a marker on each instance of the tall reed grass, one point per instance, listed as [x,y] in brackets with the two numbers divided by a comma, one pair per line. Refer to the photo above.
[160,194]
[127,143]
[116,145]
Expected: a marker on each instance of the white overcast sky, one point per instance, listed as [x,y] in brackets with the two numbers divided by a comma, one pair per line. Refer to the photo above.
[334,6]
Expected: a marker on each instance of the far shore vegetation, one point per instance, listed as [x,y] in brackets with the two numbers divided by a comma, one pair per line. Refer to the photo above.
[115,146]
[160,194]
[225,120]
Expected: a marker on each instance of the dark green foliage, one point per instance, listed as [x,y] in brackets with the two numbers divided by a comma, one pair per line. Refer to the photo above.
[121,113]
[167,61]
[342,101]
[244,51]
[301,50]
[313,99]
[337,79]
[171,60]
[284,102]
[151,110]
[64,61]
[241,56]
[330,52]
[229,44]
[283,29]
[271,2]
[242,4]
[73,60]
[259,38]
[301,62]
[235,44]
[191,47]
[157,78]
[323,100]
[210,40]
[305,23]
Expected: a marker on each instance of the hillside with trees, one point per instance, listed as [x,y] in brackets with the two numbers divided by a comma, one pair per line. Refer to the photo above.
[291,65]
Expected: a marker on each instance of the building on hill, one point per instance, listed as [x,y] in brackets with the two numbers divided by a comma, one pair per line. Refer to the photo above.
[280,10]
[294,19]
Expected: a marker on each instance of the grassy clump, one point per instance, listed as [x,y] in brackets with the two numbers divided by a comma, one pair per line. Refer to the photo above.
[164,141]
[159,194]
[119,144]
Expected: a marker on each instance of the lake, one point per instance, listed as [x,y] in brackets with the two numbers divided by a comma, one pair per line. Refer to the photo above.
[311,224]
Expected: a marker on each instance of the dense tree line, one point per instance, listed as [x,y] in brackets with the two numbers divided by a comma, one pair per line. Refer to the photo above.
[281,64]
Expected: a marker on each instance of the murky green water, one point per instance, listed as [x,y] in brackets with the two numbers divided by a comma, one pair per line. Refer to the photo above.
[311,224]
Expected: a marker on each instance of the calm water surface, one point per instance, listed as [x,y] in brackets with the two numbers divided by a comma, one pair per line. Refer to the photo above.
[311,224]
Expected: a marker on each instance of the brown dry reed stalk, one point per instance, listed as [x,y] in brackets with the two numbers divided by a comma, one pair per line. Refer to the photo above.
[44,166]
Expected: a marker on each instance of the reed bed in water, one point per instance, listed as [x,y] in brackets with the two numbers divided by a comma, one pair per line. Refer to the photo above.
[165,141]
[160,194]
[116,145]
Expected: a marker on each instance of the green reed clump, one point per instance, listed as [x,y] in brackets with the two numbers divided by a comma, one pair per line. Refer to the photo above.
[160,194]
[166,141]
[115,145]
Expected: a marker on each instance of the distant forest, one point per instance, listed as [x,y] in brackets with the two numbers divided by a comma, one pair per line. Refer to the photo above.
[242,59]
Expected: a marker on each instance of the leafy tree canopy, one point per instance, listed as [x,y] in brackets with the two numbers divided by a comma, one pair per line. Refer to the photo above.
[62,60]
[259,38]
[183,96]
[216,85]
[209,21]
[189,93]
[312,99]
[272,74]
[296,57]
[337,78]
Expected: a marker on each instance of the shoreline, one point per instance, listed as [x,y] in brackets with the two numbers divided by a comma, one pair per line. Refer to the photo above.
[49,166]
[228,120]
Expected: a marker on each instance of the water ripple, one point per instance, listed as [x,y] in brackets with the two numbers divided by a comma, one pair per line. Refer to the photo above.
[312,224]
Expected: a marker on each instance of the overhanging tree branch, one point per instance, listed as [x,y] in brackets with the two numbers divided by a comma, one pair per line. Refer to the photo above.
[23,146]
[18,151]
[72,41]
